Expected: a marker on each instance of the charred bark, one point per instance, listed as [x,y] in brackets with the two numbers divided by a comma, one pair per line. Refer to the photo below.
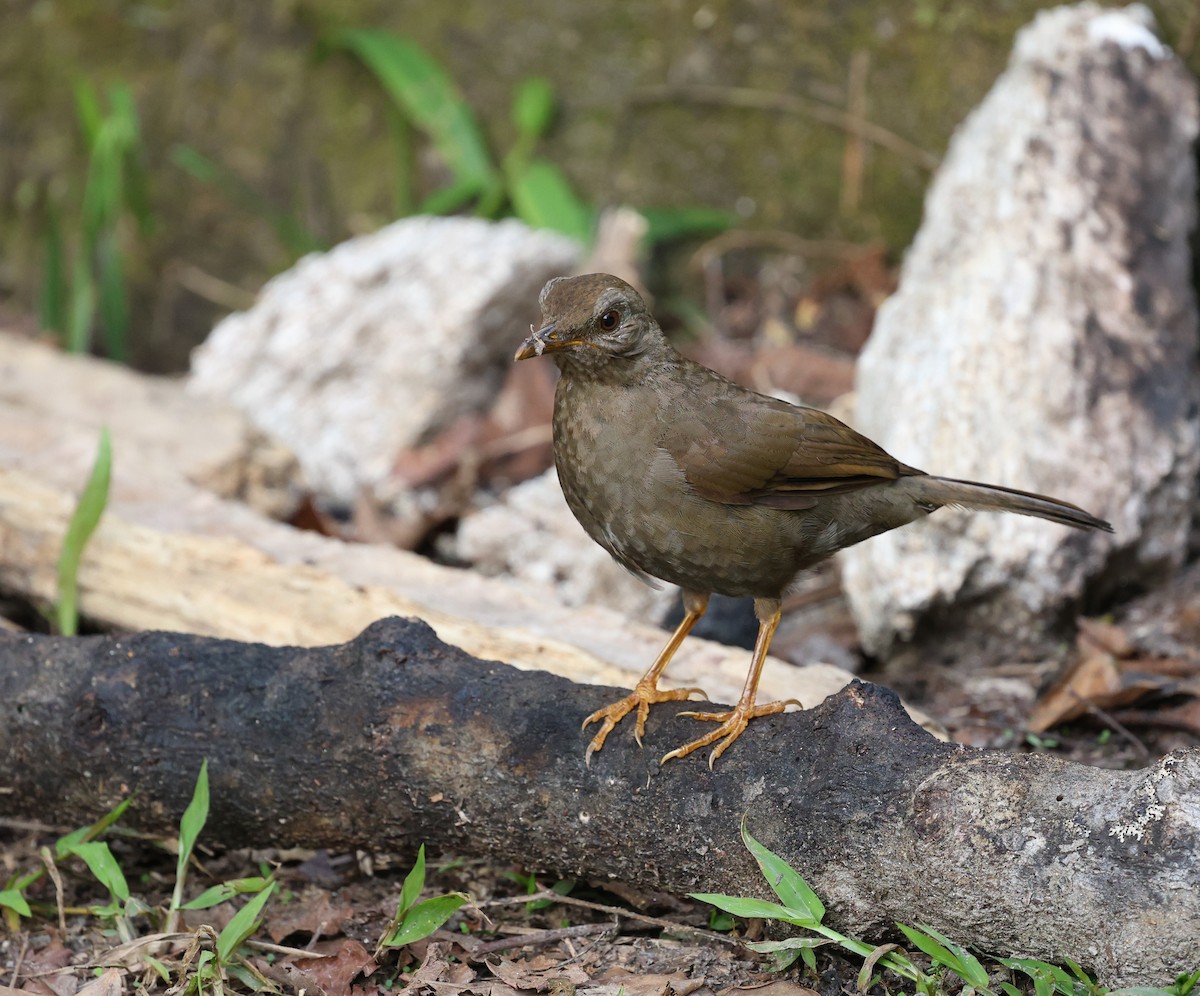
[395,739]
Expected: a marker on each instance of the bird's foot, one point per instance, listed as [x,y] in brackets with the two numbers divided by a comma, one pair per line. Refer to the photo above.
[733,724]
[644,695]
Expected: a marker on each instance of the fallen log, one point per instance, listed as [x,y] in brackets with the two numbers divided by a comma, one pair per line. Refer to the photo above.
[396,738]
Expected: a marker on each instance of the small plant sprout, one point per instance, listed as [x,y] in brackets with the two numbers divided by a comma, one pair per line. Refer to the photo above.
[415,920]
[79,530]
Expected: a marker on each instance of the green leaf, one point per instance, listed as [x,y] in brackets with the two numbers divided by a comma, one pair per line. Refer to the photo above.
[418,85]
[87,109]
[13,900]
[225,891]
[83,523]
[784,880]
[52,301]
[533,107]
[103,865]
[761,908]
[543,198]
[414,882]
[964,963]
[244,923]
[160,969]
[193,820]
[424,918]
[83,306]
[788,944]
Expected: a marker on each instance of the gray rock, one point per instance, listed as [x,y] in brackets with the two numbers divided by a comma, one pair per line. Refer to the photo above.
[358,353]
[1043,337]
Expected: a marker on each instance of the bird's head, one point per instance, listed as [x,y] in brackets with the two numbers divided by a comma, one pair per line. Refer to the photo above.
[591,320]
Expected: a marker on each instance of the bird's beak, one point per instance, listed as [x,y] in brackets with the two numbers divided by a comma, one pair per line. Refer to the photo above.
[538,342]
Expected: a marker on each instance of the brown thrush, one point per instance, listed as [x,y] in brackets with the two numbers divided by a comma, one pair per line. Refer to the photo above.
[688,477]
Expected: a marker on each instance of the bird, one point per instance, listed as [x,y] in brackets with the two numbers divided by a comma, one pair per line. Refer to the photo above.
[687,477]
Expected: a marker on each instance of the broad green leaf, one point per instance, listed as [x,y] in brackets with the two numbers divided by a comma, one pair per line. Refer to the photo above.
[784,880]
[424,918]
[761,908]
[79,530]
[245,921]
[103,865]
[225,891]
[414,882]
[193,820]
[13,900]
[542,198]
[416,83]
[533,106]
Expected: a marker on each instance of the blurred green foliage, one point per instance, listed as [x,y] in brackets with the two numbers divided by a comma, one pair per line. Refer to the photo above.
[84,281]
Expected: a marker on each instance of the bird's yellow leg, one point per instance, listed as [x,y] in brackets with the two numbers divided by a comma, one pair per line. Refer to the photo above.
[735,721]
[646,692]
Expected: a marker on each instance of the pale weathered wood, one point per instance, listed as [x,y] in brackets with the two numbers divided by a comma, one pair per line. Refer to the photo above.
[172,554]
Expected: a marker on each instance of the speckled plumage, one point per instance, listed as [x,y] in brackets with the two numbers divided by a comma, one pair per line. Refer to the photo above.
[685,476]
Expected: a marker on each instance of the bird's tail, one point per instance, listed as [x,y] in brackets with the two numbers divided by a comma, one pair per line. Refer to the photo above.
[939,491]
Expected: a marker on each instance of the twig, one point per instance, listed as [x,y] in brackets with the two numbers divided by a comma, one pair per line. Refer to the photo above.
[1113,724]
[767,100]
[616,911]
[16,972]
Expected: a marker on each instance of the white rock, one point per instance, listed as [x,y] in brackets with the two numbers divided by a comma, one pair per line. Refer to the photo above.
[1043,337]
[360,352]
[531,534]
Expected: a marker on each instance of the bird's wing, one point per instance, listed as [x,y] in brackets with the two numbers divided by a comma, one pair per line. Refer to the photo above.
[742,448]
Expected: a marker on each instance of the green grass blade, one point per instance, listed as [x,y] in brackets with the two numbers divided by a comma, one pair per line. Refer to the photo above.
[424,918]
[964,963]
[52,301]
[225,891]
[244,922]
[542,198]
[87,110]
[190,825]
[418,85]
[784,880]
[82,306]
[83,523]
[414,882]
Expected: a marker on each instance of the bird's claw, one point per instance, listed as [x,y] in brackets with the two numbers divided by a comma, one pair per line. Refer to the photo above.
[732,724]
[641,698]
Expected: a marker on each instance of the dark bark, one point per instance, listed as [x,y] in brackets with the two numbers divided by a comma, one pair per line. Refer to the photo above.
[395,739]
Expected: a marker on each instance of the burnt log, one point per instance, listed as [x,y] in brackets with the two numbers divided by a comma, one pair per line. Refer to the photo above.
[395,738]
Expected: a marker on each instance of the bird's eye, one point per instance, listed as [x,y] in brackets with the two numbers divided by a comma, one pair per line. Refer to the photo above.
[610,319]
